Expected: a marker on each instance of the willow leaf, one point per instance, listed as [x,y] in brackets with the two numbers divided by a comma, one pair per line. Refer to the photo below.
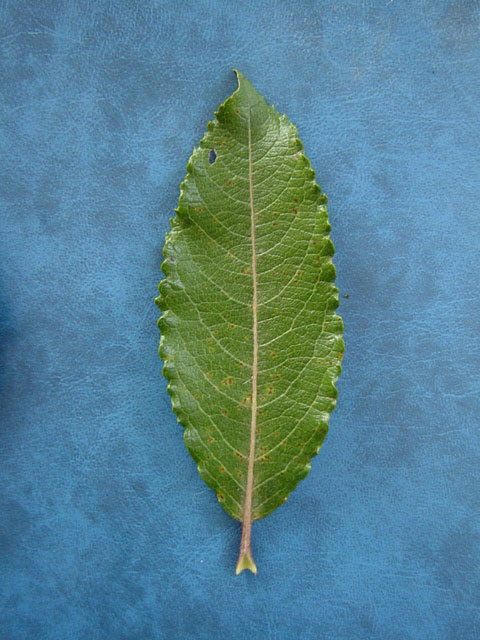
[250,340]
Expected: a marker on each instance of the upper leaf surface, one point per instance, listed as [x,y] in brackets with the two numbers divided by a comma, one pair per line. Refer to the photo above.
[241,329]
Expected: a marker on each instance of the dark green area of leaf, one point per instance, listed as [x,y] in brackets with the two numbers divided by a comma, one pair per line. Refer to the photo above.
[250,167]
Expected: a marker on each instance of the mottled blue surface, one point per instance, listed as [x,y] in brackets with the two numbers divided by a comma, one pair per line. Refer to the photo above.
[106,530]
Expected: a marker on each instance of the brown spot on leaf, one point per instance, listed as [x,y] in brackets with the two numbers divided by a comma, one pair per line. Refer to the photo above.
[247,399]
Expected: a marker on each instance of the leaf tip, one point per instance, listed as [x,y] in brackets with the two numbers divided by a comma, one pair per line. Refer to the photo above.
[245,561]
[242,81]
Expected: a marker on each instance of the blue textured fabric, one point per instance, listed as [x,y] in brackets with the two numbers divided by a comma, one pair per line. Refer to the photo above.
[106,530]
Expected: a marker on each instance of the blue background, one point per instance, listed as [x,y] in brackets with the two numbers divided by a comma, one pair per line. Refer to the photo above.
[106,530]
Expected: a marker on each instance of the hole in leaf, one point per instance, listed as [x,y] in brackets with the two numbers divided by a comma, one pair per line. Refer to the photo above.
[212,157]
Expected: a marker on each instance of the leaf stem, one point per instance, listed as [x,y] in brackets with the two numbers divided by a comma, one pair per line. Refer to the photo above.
[245,559]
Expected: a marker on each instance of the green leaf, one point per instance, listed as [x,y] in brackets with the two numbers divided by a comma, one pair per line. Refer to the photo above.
[250,339]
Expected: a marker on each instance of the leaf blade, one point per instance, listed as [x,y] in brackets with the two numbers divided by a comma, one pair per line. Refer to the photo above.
[250,338]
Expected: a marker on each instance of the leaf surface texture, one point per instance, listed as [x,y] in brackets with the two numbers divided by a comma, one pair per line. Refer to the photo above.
[250,338]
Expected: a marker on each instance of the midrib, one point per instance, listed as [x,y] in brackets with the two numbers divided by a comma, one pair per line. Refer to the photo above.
[247,516]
